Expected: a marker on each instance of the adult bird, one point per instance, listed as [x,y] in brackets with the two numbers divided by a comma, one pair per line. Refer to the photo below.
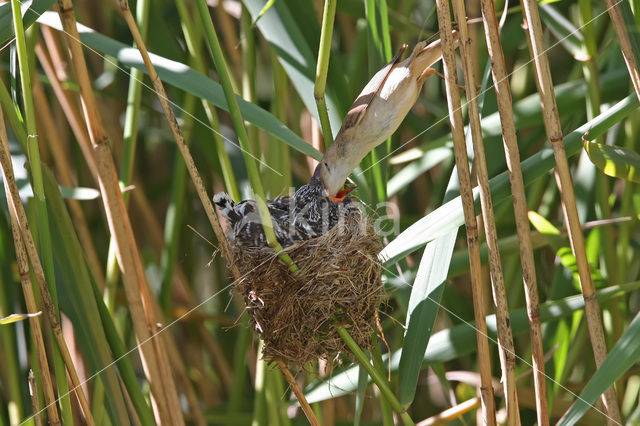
[319,205]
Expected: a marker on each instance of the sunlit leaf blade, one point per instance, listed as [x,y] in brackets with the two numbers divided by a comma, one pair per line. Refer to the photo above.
[459,340]
[527,112]
[450,215]
[30,12]
[622,357]
[17,317]
[77,193]
[614,161]
[189,80]
[568,35]
[542,224]
[423,307]
[409,173]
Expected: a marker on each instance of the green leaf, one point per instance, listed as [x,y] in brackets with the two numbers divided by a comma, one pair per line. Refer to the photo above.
[17,317]
[409,173]
[424,302]
[30,12]
[622,357]
[563,250]
[450,216]
[614,161]
[527,111]
[189,80]
[281,30]
[568,35]
[459,340]
[77,301]
[542,224]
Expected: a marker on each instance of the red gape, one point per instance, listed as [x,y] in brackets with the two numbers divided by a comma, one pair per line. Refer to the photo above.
[340,196]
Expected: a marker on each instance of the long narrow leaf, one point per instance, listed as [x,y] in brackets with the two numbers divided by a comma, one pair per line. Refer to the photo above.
[280,29]
[459,340]
[30,12]
[622,357]
[189,80]
[423,308]
[450,216]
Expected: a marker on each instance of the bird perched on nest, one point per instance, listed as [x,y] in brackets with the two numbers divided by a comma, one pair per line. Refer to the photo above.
[319,205]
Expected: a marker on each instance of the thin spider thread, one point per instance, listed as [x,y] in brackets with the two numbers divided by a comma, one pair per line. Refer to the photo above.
[209,298]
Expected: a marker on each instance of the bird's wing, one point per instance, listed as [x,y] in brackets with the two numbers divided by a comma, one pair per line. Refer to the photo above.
[359,108]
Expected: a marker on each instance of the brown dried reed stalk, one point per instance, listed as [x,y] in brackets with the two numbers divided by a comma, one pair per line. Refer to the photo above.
[503,95]
[35,398]
[157,368]
[69,107]
[306,408]
[565,185]
[466,193]
[34,321]
[613,6]
[26,252]
[177,133]
[505,337]
[51,136]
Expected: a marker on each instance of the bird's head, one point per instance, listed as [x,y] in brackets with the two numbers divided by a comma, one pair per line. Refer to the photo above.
[328,180]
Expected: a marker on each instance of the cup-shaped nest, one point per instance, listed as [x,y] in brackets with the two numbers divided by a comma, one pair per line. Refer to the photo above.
[337,284]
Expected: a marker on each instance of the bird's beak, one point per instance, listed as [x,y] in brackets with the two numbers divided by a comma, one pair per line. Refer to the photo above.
[378,111]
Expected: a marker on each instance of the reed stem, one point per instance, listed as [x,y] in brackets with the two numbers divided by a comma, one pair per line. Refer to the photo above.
[505,337]
[30,302]
[512,153]
[306,408]
[243,140]
[375,375]
[26,248]
[42,216]
[613,7]
[565,184]
[322,69]
[190,29]
[466,193]
[158,371]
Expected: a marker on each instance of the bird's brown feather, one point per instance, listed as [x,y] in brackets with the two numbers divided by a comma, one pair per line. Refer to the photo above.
[359,108]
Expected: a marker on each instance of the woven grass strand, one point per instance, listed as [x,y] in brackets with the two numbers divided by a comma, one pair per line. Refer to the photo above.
[336,284]
[565,184]
[464,176]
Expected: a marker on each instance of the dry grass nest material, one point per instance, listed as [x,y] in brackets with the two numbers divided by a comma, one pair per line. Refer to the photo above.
[338,284]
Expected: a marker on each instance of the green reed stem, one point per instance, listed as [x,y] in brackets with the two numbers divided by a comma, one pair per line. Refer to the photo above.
[378,378]
[191,30]
[130,139]
[322,69]
[243,140]
[42,216]
[175,210]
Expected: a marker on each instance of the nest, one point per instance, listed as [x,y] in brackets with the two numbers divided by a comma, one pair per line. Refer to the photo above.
[338,284]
